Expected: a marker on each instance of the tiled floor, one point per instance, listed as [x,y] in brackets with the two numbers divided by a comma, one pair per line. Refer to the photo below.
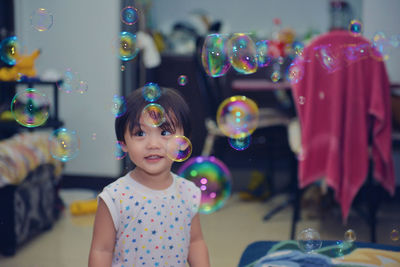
[227,233]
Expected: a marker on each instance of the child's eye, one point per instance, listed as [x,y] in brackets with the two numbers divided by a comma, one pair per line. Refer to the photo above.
[165,133]
[139,133]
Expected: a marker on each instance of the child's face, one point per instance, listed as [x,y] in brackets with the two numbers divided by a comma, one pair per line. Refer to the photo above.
[146,147]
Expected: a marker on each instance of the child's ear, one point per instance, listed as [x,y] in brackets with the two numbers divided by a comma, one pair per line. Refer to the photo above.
[123,146]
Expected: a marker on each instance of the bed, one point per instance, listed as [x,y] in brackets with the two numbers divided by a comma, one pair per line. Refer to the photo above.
[29,182]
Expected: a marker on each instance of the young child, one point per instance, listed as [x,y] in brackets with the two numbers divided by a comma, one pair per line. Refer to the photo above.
[149,216]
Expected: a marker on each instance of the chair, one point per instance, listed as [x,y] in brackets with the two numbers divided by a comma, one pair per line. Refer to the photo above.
[345,119]
[269,141]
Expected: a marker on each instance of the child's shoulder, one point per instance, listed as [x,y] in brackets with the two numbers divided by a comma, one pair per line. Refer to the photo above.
[119,184]
[185,184]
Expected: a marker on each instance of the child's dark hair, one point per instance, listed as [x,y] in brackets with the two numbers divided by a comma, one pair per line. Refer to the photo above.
[177,113]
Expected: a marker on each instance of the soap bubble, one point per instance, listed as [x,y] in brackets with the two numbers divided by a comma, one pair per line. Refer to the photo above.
[179,148]
[395,235]
[127,46]
[182,80]
[129,15]
[242,53]
[381,46]
[151,92]
[350,236]
[212,177]
[64,144]
[9,50]
[275,76]
[118,152]
[214,55]
[309,240]
[355,27]
[118,107]
[240,143]
[295,72]
[153,115]
[263,59]
[82,87]
[30,108]
[237,116]
[41,19]
[298,48]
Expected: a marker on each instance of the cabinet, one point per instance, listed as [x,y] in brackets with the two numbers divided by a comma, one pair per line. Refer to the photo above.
[9,89]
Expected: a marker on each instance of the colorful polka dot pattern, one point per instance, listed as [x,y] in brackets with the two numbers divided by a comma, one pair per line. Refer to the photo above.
[153,227]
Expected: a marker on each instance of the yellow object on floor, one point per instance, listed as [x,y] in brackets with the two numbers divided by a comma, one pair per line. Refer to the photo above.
[81,207]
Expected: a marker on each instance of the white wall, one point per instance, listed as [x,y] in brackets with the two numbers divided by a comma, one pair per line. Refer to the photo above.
[384,16]
[246,16]
[80,38]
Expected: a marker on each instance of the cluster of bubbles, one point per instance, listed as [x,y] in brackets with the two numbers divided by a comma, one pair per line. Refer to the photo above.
[220,52]
[126,42]
[30,108]
[179,147]
[309,240]
[72,82]
[9,49]
[41,19]
[64,144]
[212,177]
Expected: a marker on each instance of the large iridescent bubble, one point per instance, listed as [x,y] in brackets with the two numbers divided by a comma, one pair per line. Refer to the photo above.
[30,108]
[212,177]
[237,116]
[9,50]
[64,144]
[127,46]
[214,55]
[179,148]
[242,53]
[153,115]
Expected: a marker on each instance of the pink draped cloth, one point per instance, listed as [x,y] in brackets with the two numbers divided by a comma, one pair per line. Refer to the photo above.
[342,96]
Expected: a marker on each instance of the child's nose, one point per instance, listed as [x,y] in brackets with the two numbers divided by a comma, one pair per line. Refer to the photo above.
[153,142]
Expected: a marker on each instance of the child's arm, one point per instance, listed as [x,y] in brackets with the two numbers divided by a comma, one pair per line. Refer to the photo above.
[103,240]
[198,252]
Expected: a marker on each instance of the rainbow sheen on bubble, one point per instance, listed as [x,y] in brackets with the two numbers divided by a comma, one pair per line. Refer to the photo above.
[41,19]
[395,235]
[182,80]
[309,240]
[355,27]
[240,143]
[328,57]
[71,82]
[237,116]
[263,59]
[353,53]
[127,46]
[151,92]
[275,76]
[9,50]
[242,53]
[153,115]
[298,48]
[118,152]
[350,236]
[129,15]
[214,55]
[381,46]
[30,108]
[179,148]
[118,107]
[212,177]
[295,72]
[64,144]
